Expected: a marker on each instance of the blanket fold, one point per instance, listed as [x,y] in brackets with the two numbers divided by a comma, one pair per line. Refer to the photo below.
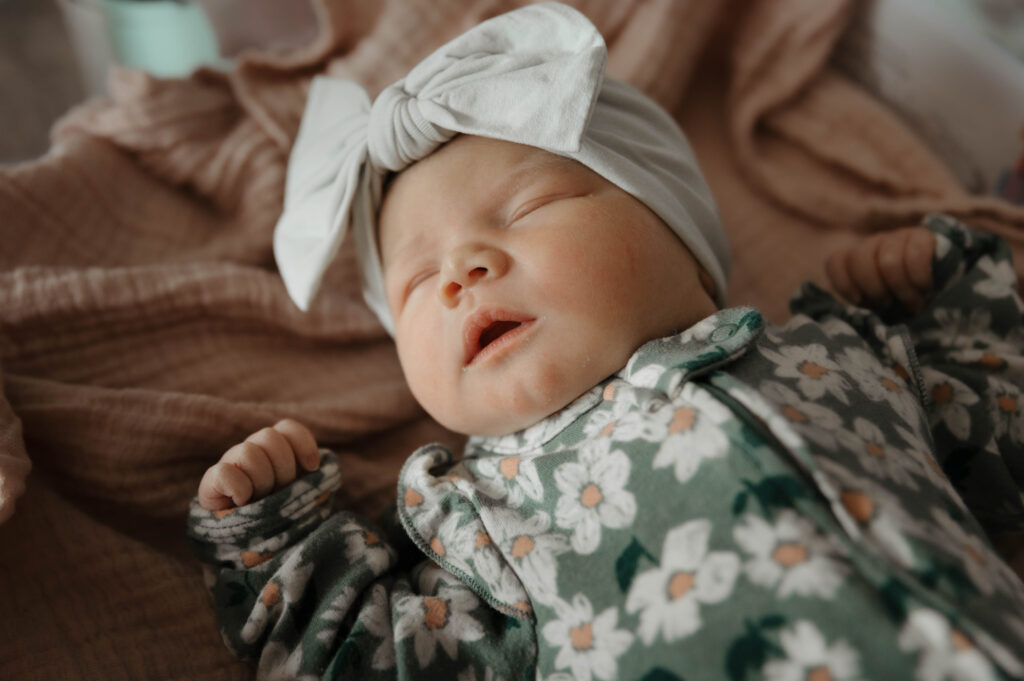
[14,462]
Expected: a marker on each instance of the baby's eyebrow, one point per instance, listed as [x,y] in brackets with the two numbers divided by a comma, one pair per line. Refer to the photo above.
[529,171]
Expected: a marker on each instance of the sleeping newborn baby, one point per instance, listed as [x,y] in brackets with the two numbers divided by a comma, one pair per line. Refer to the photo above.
[655,486]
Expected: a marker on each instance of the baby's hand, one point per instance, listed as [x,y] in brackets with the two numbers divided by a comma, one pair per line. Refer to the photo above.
[253,469]
[889,265]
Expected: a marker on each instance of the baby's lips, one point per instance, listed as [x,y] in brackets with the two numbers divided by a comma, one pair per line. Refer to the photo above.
[479,322]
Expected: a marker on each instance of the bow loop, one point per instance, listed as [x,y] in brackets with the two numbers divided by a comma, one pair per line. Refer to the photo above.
[530,76]
[323,173]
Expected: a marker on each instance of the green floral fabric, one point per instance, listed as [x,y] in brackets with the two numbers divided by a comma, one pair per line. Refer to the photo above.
[807,501]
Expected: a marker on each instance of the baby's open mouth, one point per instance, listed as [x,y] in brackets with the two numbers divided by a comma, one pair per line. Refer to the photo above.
[494,331]
[487,331]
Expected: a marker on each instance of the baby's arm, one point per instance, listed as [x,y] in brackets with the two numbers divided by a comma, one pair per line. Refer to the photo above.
[962,313]
[312,593]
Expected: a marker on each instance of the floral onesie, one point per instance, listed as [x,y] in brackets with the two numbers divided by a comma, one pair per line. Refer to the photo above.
[741,501]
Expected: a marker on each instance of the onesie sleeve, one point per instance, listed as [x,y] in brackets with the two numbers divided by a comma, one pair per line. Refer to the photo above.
[964,356]
[969,343]
[309,593]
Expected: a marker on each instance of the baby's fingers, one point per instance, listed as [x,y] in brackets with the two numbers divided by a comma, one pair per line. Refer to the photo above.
[892,251]
[905,261]
[839,276]
[223,486]
[863,268]
[278,451]
[917,258]
[252,460]
[302,442]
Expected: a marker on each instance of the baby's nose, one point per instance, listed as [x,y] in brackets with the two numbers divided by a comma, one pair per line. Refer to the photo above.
[467,265]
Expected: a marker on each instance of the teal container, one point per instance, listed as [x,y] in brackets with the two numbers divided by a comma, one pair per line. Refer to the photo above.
[168,39]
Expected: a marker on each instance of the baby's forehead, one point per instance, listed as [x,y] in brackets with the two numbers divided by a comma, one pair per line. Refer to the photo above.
[485,160]
[466,172]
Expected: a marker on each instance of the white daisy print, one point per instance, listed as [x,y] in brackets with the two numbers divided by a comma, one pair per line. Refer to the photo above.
[879,382]
[281,663]
[499,577]
[471,542]
[875,454]
[810,657]
[952,399]
[810,366]
[590,646]
[873,509]
[942,652]
[991,356]
[669,597]
[428,576]
[1005,407]
[790,556]
[301,492]
[622,419]
[531,548]
[1001,279]
[376,617]
[639,424]
[701,331]
[513,478]
[618,399]
[277,595]
[594,494]
[979,561]
[648,376]
[955,328]
[942,243]
[334,613]
[813,421]
[365,544]
[442,620]
[694,433]
[453,540]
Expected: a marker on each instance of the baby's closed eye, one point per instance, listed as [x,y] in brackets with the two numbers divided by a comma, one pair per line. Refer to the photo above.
[418,279]
[534,204]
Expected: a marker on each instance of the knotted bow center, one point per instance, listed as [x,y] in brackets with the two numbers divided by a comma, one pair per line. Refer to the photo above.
[399,133]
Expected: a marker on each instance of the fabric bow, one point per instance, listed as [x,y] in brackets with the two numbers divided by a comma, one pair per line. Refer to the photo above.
[530,76]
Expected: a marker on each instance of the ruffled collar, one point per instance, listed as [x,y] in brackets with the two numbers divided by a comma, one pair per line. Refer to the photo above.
[663,364]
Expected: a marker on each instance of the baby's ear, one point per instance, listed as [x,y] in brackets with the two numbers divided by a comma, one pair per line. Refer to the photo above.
[707,282]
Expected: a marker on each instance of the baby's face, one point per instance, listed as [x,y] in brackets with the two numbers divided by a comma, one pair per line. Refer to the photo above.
[518,279]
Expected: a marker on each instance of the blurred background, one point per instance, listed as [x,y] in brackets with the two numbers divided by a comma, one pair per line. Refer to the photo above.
[56,53]
[937,63]
[39,76]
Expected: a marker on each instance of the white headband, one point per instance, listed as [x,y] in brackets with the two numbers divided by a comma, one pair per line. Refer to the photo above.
[533,76]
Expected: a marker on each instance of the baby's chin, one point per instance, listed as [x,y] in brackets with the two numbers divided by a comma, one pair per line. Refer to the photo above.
[515,407]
